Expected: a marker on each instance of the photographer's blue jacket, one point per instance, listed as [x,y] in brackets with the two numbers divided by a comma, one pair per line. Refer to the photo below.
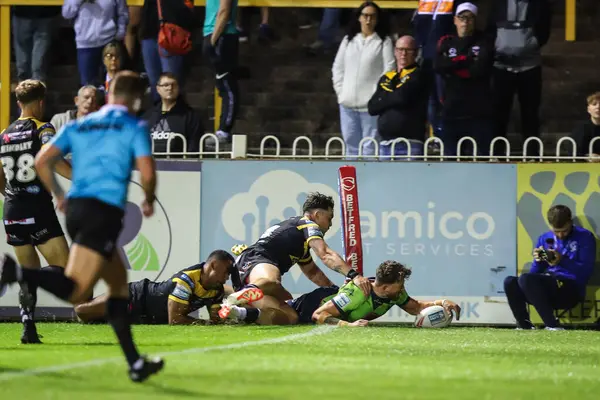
[578,252]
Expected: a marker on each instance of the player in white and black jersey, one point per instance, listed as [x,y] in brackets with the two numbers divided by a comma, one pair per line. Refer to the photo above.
[29,218]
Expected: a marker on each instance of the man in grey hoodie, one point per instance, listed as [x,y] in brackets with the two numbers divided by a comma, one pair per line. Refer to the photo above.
[97,23]
[520,29]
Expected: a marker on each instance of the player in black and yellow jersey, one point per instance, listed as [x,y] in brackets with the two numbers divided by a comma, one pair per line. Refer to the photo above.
[171,301]
[29,217]
[262,265]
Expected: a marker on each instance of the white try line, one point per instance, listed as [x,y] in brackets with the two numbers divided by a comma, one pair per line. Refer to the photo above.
[321,330]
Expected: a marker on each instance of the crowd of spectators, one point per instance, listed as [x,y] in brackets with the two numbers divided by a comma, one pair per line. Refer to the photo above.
[453,73]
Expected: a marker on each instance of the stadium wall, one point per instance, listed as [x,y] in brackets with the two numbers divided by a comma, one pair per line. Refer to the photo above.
[462,227]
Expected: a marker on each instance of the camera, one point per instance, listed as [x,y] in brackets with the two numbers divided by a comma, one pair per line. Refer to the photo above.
[544,255]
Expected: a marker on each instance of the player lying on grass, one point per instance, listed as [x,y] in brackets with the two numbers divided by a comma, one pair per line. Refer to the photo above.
[262,265]
[348,305]
[171,301]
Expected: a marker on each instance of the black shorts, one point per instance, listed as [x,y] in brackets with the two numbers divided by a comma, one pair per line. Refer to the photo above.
[248,260]
[308,303]
[94,224]
[145,309]
[30,222]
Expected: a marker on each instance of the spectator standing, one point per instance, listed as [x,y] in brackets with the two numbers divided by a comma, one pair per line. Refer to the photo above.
[433,20]
[563,263]
[32,28]
[221,46]
[365,53]
[97,23]
[158,60]
[173,115]
[520,29]
[586,131]
[86,102]
[465,62]
[401,102]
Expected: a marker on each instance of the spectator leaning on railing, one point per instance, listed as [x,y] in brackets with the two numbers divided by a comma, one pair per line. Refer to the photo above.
[564,259]
[97,23]
[586,131]
[365,54]
[173,115]
[465,62]
[86,102]
[401,102]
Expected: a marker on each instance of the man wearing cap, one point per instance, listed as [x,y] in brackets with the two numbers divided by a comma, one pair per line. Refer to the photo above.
[465,62]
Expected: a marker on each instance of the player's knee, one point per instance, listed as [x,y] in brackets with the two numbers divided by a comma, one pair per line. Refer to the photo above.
[293,317]
[509,282]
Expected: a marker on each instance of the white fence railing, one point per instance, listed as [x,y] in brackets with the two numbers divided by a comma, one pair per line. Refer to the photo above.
[335,148]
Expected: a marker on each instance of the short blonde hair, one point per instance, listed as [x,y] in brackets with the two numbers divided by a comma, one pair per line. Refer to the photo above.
[593,98]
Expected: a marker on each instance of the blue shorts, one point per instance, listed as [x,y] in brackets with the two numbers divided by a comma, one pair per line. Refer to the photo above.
[308,303]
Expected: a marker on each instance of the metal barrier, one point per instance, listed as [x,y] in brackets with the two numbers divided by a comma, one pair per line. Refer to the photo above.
[239,150]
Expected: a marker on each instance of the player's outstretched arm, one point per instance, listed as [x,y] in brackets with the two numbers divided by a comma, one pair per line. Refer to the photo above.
[335,262]
[328,314]
[414,307]
[314,273]
[178,314]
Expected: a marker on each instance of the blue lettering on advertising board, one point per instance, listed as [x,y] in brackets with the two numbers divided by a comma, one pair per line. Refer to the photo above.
[451,223]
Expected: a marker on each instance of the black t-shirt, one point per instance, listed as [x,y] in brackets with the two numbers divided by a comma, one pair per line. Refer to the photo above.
[286,243]
[19,144]
[583,135]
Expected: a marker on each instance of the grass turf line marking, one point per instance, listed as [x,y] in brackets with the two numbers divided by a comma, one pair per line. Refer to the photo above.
[321,330]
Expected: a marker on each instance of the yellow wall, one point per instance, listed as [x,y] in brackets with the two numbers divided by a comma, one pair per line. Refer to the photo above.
[539,187]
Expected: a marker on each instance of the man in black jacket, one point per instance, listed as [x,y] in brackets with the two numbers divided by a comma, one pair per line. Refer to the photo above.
[465,62]
[520,29]
[401,102]
[173,115]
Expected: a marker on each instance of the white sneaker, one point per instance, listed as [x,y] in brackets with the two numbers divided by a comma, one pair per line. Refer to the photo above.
[518,328]
[557,328]
[222,137]
[230,312]
[245,296]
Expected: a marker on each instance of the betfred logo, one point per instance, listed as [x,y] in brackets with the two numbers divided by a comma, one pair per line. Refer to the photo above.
[348,183]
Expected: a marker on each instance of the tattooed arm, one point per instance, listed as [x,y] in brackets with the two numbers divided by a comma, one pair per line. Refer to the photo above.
[329,314]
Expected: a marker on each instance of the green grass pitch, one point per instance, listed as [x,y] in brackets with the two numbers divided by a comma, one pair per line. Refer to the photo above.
[303,362]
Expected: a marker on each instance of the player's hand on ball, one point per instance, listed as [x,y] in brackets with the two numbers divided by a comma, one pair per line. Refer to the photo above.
[359,323]
[363,283]
[147,209]
[452,306]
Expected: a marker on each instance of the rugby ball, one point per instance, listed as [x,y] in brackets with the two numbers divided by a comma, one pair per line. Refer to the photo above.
[433,317]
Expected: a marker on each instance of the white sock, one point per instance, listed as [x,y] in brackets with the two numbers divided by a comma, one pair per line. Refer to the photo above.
[242,312]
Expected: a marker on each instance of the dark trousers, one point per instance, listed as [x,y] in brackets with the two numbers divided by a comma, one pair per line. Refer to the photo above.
[480,129]
[544,292]
[89,62]
[528,88]
[224,58]
[31,39]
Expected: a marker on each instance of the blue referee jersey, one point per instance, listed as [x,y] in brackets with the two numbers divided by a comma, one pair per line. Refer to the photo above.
[104,146]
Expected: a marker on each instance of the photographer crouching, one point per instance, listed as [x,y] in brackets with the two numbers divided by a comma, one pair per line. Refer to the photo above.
[563,263]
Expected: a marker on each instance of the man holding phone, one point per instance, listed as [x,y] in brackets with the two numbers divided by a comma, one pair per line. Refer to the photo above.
[563,262]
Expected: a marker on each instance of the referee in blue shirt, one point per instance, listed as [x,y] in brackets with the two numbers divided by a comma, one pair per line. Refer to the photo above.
[563,263]
[105,147]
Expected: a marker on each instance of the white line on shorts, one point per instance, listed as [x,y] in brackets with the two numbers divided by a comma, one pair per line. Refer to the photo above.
[196,350]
